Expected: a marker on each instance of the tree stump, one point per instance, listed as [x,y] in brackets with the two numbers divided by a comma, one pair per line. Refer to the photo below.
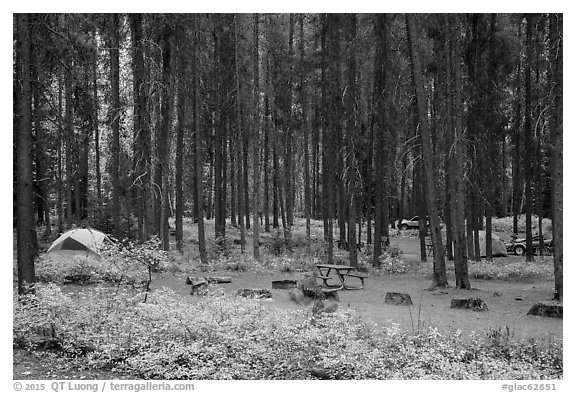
[475,304]
[283,284]
[199,285]
[255,293]
[547,309]
[398,298]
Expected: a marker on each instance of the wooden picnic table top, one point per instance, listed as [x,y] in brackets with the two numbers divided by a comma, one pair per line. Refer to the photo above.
[338,267]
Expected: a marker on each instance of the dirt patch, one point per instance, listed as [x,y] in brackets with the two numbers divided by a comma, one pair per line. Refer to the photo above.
[508,303]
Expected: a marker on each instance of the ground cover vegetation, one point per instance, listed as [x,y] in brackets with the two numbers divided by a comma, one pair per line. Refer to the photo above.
[222,338]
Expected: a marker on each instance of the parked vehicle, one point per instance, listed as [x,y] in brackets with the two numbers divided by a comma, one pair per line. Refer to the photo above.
[518,246]
[410,224]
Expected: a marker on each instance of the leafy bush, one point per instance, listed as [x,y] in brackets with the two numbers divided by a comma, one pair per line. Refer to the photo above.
[516,270]
[219,337]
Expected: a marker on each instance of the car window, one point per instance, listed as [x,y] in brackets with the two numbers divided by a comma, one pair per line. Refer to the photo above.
[415,218]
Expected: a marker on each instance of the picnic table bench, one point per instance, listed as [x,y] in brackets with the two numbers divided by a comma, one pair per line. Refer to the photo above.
[343,272]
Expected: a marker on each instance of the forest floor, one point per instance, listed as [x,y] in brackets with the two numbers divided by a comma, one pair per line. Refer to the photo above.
[508,301]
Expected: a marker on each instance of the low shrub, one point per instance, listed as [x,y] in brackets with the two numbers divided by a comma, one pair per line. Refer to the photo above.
[277,245]
[219,337]
[516,270]
[506,224]
[222,246]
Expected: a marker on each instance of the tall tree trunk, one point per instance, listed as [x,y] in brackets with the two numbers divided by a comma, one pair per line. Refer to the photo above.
[95,126]
[378,131]
[449,164]
[26,231]
[182,92]
[239,133]
[60,196]
[556,128]
[528,137]
[245,145]
[455,112]
[41,159]
[233,185]
[141,133]
[289,181]
[199,161]
[420,195]
[327,142]
[516,163]
[351,168]
[164,135]
[137,85]
[218,127]
[307,199]
[266,163]
[275,179]
[256,144]
[68,134]
[439,273]
[115,113]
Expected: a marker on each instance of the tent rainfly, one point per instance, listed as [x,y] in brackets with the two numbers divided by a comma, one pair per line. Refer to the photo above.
[82,239]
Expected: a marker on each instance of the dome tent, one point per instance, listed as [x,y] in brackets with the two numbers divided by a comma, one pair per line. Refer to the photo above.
[79,239]
[498,246]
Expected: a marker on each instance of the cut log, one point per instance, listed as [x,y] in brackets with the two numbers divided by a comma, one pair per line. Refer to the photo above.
[219,279]
[547,309]
[398,298]
[283,284]
[255,293]
[79,279]
[475,304]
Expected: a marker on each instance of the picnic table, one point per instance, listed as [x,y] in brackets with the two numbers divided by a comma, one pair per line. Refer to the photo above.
[343,272]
